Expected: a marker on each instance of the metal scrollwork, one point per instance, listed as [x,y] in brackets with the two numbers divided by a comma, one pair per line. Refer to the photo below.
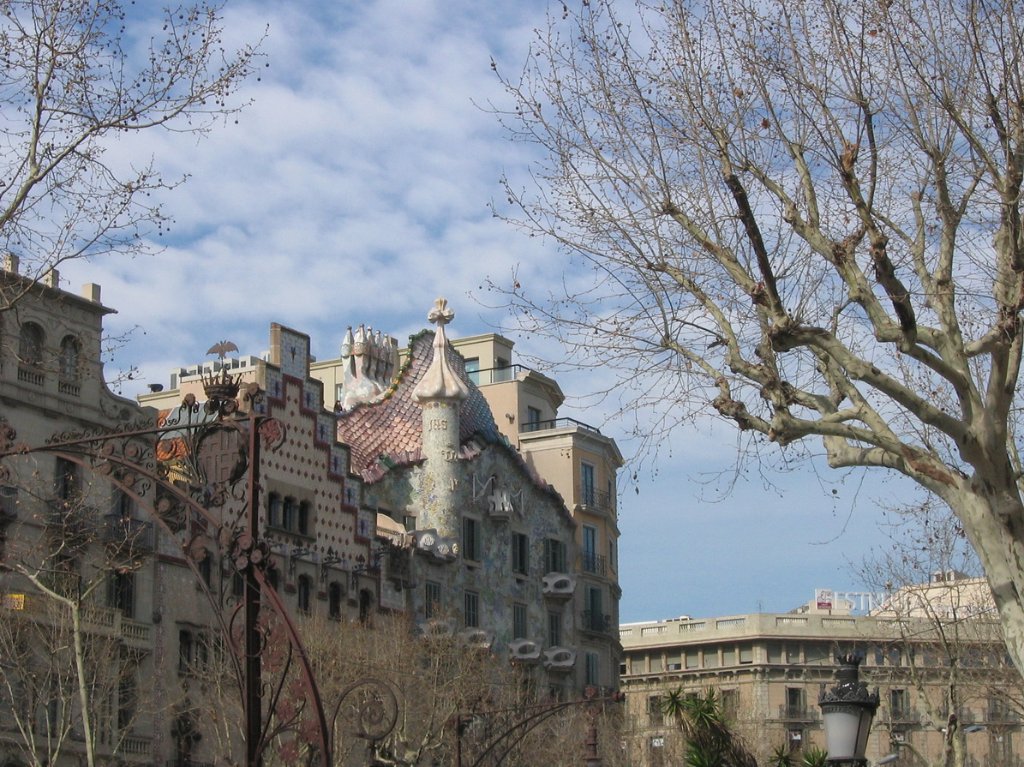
[371,707]
[168,469]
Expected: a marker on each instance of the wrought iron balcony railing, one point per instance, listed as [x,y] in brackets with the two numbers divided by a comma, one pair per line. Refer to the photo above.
[596,622]
[591,562]
[558,423]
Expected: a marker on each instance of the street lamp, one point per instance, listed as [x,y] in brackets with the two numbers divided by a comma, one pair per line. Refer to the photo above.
[847,710]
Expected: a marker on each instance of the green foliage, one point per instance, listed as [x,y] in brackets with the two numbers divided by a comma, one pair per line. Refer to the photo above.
[781,757]
[814,757]
[709,740]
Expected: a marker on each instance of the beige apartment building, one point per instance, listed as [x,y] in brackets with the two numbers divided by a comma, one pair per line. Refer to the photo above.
[578,461]
[769,670]
[68,529]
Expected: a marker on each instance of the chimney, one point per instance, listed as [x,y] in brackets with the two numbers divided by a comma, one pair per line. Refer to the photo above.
[91,291]
[51,279]
[11,263]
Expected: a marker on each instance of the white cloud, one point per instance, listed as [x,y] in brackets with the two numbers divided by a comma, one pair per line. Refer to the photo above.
[355,190]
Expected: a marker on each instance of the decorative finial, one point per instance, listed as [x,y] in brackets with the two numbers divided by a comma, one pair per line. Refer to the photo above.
[440,314]
[440,381]
[222,348]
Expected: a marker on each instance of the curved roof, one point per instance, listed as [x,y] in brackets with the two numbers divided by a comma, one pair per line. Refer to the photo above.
[392,428]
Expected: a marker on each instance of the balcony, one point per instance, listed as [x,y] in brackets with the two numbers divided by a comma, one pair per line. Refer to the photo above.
[597,623]
[599,501]
[591,562]
[524,651]
[559,423]
[559,586]
[903,716]
[31,374]
[70,520]
[797,712]
[1001,715]
[127,536]
[559,658]
[497,375]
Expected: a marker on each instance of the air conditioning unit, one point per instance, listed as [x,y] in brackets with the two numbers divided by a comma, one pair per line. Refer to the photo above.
[524,650]
[559,585]
[478,639]
[559,658]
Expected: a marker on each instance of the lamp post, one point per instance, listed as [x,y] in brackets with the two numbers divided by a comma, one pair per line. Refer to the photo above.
[847,710]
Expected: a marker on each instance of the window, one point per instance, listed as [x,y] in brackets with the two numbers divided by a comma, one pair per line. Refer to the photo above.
[121,504]
[70,354]
[431,599]
[67,483]
[518,620]
[127,696]
[8,503]
[899,704]
[520,554]
[730,702]
[588,495]
[471,539]
[274,510]
[554,556]
[472,609]
[532,419]
[289,513]
[554,629]
[304,518]
[188,651]
[334,601]
[30,344]
[593,668]
[655,710]
[121,592]
[205,566]
[473,370]
[593,615]
[304,589]
[794,702]
[591,560]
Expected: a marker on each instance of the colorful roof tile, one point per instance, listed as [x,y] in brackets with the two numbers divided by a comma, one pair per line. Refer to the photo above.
[392,429]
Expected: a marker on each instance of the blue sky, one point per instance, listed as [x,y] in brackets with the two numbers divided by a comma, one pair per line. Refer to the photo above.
[356,190]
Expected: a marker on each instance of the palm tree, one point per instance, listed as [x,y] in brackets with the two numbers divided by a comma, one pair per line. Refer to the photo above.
[710,742]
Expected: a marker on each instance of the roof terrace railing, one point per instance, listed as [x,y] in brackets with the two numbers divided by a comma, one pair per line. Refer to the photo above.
[558,423]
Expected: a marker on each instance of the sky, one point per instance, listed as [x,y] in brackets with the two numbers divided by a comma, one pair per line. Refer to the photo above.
[355,189]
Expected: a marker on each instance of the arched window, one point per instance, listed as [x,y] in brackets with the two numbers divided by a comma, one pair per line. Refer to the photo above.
[304,588]
[30,344]
[334,594]
[70,357]
[304,518]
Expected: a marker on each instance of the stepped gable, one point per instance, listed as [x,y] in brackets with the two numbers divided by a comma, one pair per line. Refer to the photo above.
[393,426]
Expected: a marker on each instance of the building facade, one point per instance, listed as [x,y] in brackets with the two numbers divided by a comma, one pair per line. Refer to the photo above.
[82,567]
[579,462]
[768,671]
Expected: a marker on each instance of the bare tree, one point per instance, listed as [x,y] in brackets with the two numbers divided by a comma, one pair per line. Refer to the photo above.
[69,680]
[946,645]
[805,217]
[76,76]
